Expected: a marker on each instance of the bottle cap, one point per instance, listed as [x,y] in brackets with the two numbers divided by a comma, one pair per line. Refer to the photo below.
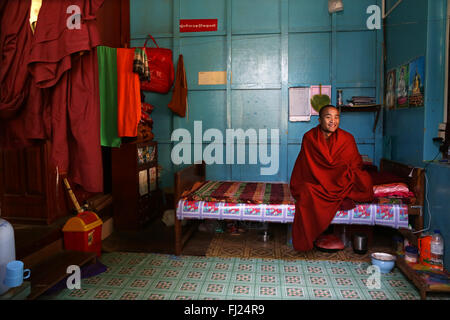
[437,231]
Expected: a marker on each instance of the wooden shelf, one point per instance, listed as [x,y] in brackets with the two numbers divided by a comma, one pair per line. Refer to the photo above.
[418,280]
[47,274]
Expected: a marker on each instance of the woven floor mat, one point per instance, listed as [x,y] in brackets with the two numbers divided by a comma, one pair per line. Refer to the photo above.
[250,245]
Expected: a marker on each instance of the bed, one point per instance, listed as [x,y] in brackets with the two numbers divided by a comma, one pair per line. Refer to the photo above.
[198,199]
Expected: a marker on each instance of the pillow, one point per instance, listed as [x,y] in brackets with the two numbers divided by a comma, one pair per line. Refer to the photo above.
[400,190]
[194,188]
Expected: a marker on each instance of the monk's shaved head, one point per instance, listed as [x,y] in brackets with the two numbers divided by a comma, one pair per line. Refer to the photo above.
[323,109]
[329,119]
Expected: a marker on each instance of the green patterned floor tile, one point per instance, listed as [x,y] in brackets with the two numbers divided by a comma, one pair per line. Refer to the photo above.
[268,278]
[243,266]
[339,270]
[210,297]
[93,281]
[344,281]
[335,263]
[266,267]
[314,269]
[359,269]
[157,262]
[183,296]
[322,293]
[76,294]
[126,270]
[190,287]
[152,295]
[218,276]
[399,294]
[141,276]
[159,285]
[130,294]
[317,280]
[397,284]
[222,266]
[102,293]
[243,277]
[373,294]
[215,288]
[204,265]
[290,268]
[241,290]
[264,291]
[148,272]
[140,284]
[349,294]
[116,282]
[293,280]
[294,292]
[171,274]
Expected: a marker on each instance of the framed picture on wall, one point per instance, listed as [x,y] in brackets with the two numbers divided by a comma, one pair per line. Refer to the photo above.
[391,100]
[416,90]
[402,86]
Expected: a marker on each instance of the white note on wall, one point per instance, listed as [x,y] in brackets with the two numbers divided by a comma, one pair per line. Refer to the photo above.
[299,106]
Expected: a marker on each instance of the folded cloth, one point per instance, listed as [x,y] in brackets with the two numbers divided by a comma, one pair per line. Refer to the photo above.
[140,64]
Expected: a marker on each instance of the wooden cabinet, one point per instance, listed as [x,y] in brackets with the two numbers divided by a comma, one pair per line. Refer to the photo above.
[29,188]
[137,198]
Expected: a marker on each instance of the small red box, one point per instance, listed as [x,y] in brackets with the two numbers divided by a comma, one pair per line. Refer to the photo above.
[84,233]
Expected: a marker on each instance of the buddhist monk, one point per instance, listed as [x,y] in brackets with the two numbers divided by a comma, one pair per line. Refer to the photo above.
[327,172]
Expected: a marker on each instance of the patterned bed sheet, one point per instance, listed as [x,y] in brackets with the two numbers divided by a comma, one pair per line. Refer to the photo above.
[389,215]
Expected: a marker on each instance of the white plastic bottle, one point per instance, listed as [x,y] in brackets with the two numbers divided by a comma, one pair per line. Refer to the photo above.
[7,250]
[437,251]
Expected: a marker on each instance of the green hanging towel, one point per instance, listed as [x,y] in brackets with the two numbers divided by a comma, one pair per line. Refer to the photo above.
[107,73]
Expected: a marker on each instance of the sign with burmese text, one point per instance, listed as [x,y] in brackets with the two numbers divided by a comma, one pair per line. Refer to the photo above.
[198,25]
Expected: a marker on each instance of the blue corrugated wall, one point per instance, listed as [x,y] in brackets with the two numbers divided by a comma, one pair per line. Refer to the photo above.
[418,28]
[265,46]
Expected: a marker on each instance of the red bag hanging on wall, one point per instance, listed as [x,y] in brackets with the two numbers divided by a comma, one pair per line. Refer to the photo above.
[161,69]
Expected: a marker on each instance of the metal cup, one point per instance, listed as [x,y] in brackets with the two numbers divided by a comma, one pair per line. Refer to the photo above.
[360,243]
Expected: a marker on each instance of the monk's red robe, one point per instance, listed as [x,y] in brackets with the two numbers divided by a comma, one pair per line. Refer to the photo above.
[63,61]
[326,172]
[20,100]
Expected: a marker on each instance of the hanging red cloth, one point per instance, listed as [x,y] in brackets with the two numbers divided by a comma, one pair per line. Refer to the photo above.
[325,173]
[20,100]
[63,61]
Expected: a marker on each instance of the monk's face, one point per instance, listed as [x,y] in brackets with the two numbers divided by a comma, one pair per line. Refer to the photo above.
[329,122]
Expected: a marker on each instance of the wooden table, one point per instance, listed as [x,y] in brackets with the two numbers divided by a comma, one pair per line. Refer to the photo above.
[418,280]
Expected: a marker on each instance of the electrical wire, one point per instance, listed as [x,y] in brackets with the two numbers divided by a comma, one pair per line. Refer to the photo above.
[426,195]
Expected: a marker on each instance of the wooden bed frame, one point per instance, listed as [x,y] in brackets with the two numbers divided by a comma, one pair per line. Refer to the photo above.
[185,179]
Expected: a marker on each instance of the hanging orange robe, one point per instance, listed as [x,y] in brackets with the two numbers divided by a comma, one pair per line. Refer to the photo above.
[128,94]
[325,173]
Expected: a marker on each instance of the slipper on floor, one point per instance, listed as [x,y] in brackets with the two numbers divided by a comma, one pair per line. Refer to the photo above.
[329,243]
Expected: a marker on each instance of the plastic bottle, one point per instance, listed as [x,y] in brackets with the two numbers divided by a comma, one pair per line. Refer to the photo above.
[437,251]
[7,250]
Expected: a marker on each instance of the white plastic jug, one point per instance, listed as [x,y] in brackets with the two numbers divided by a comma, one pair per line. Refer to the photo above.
[7,250]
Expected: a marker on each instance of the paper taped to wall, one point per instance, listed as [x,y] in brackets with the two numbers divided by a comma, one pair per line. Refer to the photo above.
[212,77]
[299,106]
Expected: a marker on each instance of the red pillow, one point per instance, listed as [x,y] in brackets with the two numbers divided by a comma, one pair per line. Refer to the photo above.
[392,190]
